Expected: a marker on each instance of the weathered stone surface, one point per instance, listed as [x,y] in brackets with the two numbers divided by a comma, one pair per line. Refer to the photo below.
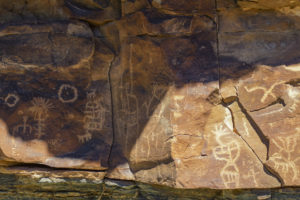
[182,5]
[45,45]
[43,184]
[55,116]
[225,155]
[264,88]
[273,104]
[187,94]
[108,11]
[131,6]
[144,97]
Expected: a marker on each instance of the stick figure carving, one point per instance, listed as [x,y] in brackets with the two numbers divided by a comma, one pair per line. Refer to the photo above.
[40,108]
[24,128]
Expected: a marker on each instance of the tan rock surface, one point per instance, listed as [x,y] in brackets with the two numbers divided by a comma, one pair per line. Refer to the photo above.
[276,113]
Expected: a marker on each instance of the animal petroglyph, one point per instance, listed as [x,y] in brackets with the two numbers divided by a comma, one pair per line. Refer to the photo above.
[40,108]
[228,151]
[67,93]
[267,92]
[11,100]
[94,116]
[286,146]
[23,128]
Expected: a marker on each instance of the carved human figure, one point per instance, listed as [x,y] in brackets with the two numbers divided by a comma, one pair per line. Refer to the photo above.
[40,108]
[283,159]
[228,151]
[94,116]
[23,128]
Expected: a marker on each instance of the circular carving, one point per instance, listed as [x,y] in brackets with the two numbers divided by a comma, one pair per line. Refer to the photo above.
[67,93]
[11,100]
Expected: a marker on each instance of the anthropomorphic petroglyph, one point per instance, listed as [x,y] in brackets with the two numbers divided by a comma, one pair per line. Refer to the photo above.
[252,176]
[228,151]
[94,116]
[154,113]
[23,128]
[156,95]
[282,159]
[40,108]
[267,92]
[67,93]
[11,100]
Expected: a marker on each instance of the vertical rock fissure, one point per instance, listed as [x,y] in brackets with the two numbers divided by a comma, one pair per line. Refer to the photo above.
[258,131]
[112,110]
[236,131]
[217,41]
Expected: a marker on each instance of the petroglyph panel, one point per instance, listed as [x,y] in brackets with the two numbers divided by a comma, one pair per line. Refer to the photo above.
[226,155]
[59,116]
[152,93]
[270,98]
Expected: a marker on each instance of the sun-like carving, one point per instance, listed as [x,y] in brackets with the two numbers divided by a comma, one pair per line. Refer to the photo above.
[40,106]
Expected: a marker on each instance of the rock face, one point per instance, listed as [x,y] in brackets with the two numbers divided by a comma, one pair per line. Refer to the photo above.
[187,94]
[56,110]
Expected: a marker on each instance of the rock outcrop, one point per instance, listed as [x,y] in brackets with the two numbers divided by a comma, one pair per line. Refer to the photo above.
[186,94]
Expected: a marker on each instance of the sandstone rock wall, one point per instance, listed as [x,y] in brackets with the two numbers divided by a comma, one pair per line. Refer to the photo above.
[187,94]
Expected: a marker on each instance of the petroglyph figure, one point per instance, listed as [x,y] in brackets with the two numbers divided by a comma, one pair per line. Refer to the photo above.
[286,146]
[267,92]
[246,127]
[252,175]
[228,151]
[24,128]
[94,113]
[67,93]
[11,100]
[56,141]
[40,108]
[94,116]
[294,94]
[157,94]
[84,138]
